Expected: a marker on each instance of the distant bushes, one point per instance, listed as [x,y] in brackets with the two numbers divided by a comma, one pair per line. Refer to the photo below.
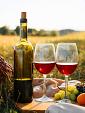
[32,32]
[17,30]
[6,31]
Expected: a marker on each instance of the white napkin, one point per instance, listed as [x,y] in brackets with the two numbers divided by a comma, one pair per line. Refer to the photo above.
[65,108]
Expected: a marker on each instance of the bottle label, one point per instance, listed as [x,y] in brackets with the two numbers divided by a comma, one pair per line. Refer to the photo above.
[23,30]
[23,79]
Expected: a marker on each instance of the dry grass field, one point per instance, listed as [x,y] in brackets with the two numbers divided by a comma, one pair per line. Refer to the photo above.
[7,43]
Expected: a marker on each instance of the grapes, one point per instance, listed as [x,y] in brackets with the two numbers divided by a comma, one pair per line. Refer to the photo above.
[81,87]
[72,97]
[57,96]
[76,91]
[71,88]
[84,89]
[72,93]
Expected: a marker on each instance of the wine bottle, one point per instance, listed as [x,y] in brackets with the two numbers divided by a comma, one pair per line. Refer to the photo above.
[23,67]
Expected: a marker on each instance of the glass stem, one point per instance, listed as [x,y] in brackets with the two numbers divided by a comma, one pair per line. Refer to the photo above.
[66,86]
[44,85]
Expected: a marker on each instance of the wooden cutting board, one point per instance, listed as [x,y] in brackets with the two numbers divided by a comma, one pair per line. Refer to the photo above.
[34,107]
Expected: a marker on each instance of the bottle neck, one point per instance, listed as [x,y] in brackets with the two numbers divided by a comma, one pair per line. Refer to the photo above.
[23,29]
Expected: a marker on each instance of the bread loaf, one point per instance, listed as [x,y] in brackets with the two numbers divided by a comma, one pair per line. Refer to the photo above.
[51,87]
[37,92]
[51,90]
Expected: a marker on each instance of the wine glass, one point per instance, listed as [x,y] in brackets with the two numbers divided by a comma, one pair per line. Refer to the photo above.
[44,61]
[66,62]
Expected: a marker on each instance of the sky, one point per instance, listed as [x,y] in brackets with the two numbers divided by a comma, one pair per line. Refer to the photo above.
[44,14]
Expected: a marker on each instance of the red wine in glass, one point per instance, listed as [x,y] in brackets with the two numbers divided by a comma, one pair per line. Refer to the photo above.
[66,68]
[44,67]
[44,61]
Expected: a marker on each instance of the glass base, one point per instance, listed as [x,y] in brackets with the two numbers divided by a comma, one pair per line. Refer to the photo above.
[44,99]
[64,101]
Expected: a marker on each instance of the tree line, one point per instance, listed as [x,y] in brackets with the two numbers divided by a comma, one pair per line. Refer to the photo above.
[4,30]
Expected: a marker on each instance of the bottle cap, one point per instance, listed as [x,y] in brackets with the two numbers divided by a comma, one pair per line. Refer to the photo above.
[23,15]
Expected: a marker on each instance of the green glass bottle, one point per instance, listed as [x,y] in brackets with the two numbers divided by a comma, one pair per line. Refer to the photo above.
[23,65]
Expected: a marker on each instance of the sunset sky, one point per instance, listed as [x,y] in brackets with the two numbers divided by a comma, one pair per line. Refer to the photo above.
[44,14]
